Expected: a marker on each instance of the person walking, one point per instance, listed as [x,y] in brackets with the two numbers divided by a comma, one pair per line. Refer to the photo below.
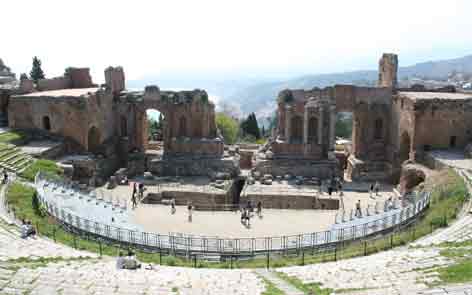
[141,191]
[133,201]
[190,208]
[172,207]
[259,209]
[371,190]
[358,209]
[377,188]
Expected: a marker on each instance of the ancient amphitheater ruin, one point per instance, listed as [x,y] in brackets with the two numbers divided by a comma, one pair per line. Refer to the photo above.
[299,195]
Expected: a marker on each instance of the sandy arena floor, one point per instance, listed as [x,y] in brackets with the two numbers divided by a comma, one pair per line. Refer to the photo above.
[274,222]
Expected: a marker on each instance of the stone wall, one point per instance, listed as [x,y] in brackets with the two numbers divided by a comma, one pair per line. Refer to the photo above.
[79,77]
[71,117]
[115,79]
[53,84]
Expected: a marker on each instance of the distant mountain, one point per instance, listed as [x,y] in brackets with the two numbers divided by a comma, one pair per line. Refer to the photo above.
[261,98]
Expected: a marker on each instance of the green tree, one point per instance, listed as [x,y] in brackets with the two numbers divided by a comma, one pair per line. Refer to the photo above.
[36,72]
[228,126]
[23,76]
[343,126]
[250,127]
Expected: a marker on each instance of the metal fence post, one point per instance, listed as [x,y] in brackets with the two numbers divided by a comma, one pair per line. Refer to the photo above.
[75,241]
[391,240]
[365,248]
[160,256]
[195,260]
[54,233]
[303,256]
[268,262]
[100,247]
[336,253]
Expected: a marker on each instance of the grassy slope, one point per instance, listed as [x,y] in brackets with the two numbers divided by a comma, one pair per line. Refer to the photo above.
[47,166]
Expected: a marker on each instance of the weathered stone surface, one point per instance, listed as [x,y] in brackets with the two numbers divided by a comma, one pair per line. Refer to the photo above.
[411,176]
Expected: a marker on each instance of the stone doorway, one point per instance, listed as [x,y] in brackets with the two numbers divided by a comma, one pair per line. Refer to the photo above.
[46,123]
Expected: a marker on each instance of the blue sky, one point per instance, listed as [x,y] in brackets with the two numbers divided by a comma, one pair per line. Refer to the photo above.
[244,38]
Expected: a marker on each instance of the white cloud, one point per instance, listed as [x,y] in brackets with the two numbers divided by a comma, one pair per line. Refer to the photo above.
[148,37]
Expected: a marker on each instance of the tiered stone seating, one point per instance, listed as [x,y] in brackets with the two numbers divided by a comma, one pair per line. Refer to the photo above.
[13,159]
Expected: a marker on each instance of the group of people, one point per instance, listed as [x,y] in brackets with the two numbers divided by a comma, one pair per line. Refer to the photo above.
[127,262]
[5,177]
[27,229]
[138,192]
[335,185]
[246,213]
[374,188]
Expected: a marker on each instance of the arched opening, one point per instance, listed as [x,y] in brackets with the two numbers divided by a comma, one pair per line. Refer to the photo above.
[123,126]
[296,133]
[312,130]
[182,127]
[405,147]
[154,127]
[378,129]
[94,139]
[46,123]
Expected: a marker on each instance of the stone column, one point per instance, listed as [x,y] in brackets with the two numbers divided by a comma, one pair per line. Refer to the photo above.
[288,117]
[320,126]
[305,126]
[332,127]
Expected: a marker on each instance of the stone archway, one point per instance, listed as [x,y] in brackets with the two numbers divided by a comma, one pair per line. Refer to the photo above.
[94,139]
[405,147]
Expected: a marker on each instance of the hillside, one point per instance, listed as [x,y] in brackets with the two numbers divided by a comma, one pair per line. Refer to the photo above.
[261,97]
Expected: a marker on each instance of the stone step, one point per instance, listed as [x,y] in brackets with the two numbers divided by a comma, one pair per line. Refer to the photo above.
[8,152]
[19,159]
[10,156]
[22,169]
[26,161]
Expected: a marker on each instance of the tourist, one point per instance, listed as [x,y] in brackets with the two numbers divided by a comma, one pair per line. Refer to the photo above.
[172,207]
[358,209]
[249,206]
[189,208]
[248,218]
[27,229]
[120,261]
[5,176]
[135,189]
[259,209]
[141,191]
[330,190]
[371,190]
[340,189]
[377,188]
[134,201]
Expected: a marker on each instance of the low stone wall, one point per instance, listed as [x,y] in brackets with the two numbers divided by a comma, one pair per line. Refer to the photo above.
[298,167]
[281,201]
[188,166]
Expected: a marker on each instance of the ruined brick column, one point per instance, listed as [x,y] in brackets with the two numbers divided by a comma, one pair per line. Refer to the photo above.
[305,125]
[332,126]
[320,126]
[388,67]
[288,119]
